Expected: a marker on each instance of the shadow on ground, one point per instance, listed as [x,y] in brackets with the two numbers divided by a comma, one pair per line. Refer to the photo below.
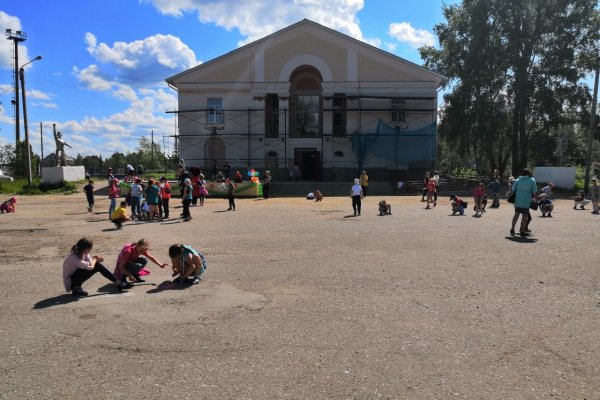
[169,285]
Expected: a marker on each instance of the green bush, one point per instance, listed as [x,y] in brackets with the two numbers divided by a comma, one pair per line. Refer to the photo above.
[19,186]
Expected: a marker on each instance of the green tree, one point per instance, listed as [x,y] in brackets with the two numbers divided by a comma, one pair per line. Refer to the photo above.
[515,68]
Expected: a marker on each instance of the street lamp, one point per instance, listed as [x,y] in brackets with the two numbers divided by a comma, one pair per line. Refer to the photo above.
[22,77]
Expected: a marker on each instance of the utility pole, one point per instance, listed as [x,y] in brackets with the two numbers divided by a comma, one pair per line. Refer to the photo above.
[164,155]
[42,148]
[592,128]
[152,150]
[17,37]
[22,76]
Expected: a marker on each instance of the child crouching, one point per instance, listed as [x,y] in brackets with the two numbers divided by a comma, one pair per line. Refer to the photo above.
[120,215]
[385,208]
[546,205]
[580,200]
[458,205]
[186,262]
[8,206]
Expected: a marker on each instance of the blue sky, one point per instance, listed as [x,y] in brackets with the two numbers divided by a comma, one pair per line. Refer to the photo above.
[101,79]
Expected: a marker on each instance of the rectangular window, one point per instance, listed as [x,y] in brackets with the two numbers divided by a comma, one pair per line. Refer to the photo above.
[215,115]
[306,111]
[397,113]
[271,115]
[339,114]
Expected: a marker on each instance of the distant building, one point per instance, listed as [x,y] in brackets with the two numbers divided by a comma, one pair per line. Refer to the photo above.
[50,160]
[312,98]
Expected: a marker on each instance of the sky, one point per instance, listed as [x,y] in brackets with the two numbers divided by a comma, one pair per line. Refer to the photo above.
[101,78]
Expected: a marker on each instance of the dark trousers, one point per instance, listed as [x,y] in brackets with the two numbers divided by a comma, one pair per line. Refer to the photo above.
[265,189]
[186,208]
[364,188]
[356,203]
[136,266]
[231,202]
[163,208]
[82,275]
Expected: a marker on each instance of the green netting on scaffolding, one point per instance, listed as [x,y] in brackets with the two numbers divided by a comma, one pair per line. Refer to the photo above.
[400,148]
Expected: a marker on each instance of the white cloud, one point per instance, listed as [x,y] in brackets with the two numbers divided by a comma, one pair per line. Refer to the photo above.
[7,46]
[256,19]
[141,62]
[38,95]
[405,33]
[45,104]
[391,47]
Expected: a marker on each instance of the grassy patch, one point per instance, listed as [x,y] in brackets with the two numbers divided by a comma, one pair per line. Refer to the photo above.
[20,187]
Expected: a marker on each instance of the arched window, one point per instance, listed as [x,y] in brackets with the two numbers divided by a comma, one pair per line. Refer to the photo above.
[306,102]
[272,154]
[339,154]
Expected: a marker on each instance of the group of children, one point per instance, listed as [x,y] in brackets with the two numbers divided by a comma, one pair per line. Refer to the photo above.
[148,202]
[542,200]
[187,264]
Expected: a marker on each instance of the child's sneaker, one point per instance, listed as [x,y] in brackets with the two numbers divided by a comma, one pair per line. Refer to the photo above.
[196,280]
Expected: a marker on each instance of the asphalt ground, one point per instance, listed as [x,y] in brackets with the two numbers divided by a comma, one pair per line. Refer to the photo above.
[302,300]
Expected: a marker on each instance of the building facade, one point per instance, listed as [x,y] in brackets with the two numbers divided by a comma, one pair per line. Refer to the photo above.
[312,102]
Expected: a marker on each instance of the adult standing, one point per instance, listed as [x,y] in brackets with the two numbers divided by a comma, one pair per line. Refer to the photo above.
[130,172]
[525,189]
[215,169]
[237,177]
[363,180]
[226,169]
[356,194]
[183,175]
[266,184]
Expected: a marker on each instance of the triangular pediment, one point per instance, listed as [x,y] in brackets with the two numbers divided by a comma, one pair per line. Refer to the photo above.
[338,57]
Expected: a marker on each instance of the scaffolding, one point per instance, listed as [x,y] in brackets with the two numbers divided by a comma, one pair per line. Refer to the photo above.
[365,129]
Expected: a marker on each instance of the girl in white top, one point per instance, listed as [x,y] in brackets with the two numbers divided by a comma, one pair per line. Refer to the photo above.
[79,266]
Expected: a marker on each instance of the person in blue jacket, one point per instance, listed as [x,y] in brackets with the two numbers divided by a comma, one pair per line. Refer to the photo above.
[525,189]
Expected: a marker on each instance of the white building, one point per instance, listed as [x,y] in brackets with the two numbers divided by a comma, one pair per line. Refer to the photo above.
[312,97]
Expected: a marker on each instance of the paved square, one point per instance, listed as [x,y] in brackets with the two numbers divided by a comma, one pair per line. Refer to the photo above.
[303,301]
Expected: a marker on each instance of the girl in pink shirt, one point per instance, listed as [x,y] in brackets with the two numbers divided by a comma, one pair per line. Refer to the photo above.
[113,193]
[132,259]
[78,267]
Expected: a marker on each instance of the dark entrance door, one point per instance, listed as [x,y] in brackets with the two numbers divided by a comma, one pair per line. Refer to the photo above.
[309,161]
